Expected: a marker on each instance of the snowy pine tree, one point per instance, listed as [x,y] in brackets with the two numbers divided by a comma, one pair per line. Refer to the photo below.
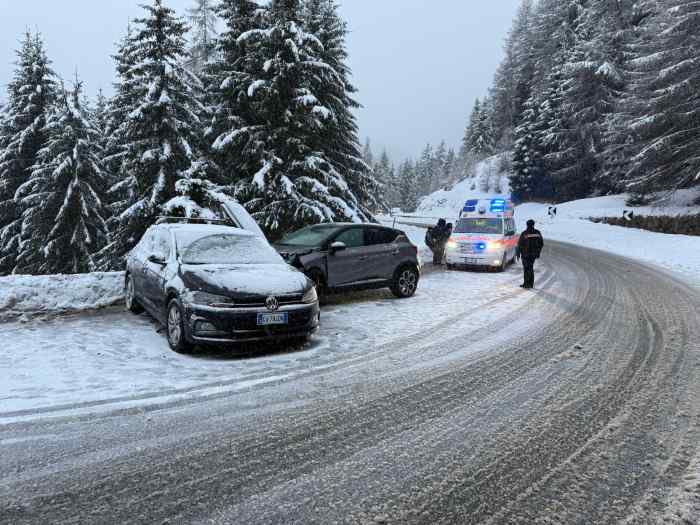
[514,78]
[161,137]
[297,182]
[233,126]
[367,153]
[528,170]
[450,174]
[384,173]
[203,21]
[480,138]
[425,171]
[340,138]
[22,134]
[668,103]
[408,186]
[122,188]
[439,160]
[63,215]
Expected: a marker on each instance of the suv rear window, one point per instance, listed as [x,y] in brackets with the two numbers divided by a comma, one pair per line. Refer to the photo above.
[381,236]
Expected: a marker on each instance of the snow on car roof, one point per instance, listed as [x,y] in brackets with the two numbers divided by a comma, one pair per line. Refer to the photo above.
[205,228]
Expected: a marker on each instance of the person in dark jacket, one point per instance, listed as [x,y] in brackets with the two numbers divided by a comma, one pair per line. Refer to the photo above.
[529,250]
[436,239]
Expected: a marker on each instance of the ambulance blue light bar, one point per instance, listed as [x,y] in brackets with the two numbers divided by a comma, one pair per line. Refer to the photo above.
[470,206]
[498,206]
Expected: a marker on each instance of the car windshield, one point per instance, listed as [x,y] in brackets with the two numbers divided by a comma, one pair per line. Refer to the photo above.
[311,236]
[487,226]
[226,249]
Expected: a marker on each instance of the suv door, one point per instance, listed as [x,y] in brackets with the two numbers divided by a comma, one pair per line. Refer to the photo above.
[350,265]
[383,254]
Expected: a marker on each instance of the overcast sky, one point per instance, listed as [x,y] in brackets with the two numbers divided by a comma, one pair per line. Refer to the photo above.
[419,64]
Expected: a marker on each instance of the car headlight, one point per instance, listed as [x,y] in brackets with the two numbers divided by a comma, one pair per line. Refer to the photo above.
[451,245]
[311,296]
[209,299]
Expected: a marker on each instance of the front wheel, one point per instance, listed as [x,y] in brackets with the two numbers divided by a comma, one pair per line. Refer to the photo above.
[405,283]
[175,325]
[132,304]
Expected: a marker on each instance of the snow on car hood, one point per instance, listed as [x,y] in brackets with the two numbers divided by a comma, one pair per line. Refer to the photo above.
[244,279]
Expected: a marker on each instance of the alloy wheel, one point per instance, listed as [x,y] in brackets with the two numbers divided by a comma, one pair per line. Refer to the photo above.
[408,283]
[130,293]
[174,325]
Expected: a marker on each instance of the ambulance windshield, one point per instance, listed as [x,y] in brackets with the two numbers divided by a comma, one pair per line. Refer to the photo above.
[486,226]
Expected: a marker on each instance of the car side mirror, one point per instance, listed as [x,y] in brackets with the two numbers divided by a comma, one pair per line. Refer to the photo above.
[155,259]
[338,247]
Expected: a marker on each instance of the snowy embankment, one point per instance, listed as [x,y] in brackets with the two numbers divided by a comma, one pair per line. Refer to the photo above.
[488,179]
[678,253]
[30,295]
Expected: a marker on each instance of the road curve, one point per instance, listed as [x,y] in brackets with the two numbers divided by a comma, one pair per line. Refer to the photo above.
[580,406]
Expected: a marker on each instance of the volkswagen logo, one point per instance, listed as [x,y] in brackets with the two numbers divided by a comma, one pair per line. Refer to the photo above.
[272,304]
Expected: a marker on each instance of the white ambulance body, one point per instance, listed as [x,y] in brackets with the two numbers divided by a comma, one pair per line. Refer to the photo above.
[484,235]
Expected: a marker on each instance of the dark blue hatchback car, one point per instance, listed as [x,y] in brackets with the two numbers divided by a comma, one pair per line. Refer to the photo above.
[214,285]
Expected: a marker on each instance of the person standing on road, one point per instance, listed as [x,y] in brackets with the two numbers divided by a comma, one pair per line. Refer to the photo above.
[529,250]
[436,239]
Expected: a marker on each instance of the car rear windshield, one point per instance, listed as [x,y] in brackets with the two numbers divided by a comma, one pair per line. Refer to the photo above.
[310,236]
[226,249]
[487,226]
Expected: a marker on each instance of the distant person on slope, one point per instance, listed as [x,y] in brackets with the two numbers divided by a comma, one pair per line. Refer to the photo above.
[436,239]
[529,250]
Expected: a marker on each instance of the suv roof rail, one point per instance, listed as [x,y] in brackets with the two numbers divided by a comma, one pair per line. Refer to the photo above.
[193,220]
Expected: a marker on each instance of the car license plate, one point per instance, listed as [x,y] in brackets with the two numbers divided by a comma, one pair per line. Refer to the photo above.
[273,319]
[470,260]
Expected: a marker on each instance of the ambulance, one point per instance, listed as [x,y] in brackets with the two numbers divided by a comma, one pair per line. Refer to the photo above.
[484,235]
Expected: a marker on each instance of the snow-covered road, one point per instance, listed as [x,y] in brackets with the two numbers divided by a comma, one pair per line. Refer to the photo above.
[104,359]
[576,403]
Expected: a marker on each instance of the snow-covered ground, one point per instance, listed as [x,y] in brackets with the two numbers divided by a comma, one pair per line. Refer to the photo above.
[103,358]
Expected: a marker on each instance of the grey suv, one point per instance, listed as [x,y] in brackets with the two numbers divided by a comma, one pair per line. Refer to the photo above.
[354,256]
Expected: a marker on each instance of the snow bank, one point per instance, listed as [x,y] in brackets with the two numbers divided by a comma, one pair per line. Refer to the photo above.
[488,179]
[678,253]
[21,294]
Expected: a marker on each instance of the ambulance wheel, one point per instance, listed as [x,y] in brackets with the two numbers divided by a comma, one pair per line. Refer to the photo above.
[450,267]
